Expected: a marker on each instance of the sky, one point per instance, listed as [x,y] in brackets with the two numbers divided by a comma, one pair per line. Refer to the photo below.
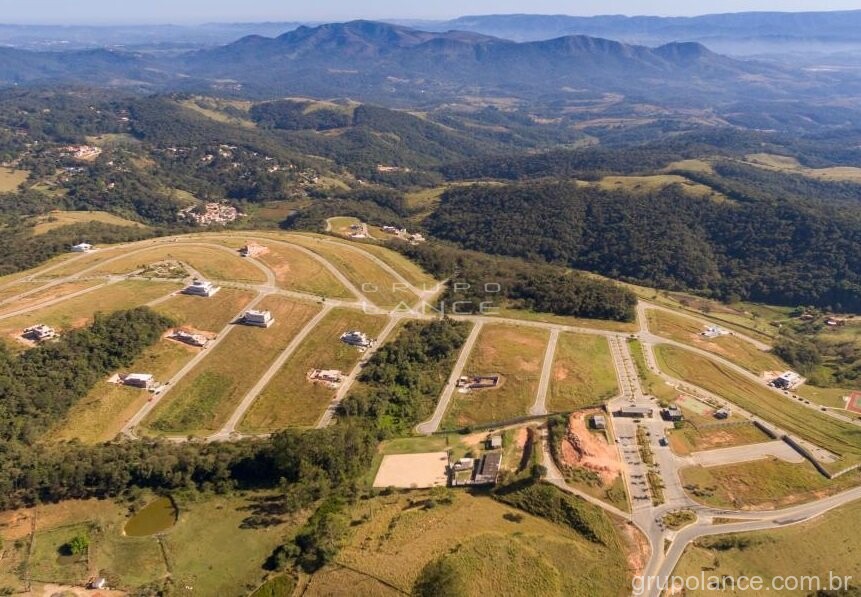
[206,11]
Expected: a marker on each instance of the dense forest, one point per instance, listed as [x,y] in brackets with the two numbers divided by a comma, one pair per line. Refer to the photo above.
[786,252]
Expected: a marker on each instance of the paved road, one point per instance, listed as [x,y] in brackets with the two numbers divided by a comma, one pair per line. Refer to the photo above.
[540,405]
[249,398]
[135,420]
[432,424]
[348,382]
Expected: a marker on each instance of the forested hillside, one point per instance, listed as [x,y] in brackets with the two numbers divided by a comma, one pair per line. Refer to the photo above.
[779,251]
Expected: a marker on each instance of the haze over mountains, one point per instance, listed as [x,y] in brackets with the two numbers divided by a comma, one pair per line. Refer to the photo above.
[375,61]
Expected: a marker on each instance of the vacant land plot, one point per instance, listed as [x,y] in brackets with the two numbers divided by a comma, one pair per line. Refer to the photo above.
[294,270]
[210,262]
[423,470]
[290,400]
[515,353]
[693,439]
[47,294]
[689,331]
[411,272]
[11,179]
[102,413]
[832,397]
[761,484]
[343,225]
[77,312]
[810,549]
[206,314]
[583,373]
[501,549]
[376,283]
[204,399]
[56,219]
[829,433]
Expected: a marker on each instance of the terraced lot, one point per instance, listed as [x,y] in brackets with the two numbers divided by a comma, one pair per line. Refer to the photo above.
[290,400]
[295,270]
[583,373]
[517,355]
[203,400]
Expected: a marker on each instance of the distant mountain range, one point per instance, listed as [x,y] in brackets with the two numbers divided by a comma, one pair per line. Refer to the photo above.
[396,64]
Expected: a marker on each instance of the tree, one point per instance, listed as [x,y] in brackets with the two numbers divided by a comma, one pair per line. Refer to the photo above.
[78,545]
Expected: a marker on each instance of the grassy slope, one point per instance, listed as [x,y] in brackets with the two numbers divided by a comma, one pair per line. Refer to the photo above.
[583,373]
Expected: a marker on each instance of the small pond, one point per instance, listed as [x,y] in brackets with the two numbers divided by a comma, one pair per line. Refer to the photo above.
[155,517]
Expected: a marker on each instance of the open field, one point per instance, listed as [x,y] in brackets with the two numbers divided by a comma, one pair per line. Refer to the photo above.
[501,549]
[204,399]
[761,484]
[814,548]
[693,439]
[77,312]
[378,285]
[657,182]
[686,330]
[211,263]
[46,294]
[206,314]
[56,219]
[208,550]
[832,397]
[516,354]
[583,373]
[834,435]
[11,179]
[290,400]
[772,161]
[294,270]
[652,383]
[427,469]
[342,225]
[101,414]
[411,271]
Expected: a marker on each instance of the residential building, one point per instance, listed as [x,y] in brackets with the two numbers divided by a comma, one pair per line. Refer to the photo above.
[189,338]
[478,382]
[494,442]
[331,377]
[722,413]
[262,319]
[599,422]
[82,248]
[201,288]
[787,380]
[673,413]
[139,380]
[356,338]
[39,333]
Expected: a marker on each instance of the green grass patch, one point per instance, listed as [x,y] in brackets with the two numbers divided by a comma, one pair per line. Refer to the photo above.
[583,373]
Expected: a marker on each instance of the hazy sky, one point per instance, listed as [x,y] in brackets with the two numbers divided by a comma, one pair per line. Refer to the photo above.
[200,11]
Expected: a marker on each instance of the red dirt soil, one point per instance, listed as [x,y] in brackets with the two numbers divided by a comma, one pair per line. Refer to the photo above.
[589,450]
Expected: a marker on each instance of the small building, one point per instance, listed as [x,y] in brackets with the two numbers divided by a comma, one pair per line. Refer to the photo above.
[477,382]
[82,248]
[201,288]
[786,380]
[673,413]
[261,319]
[488,469]
[139,380]
[189,338]
[251,250]
[635,412]
[722,413]
[39,333]
[464,464]
[599,422]
[356,338]
[712,331]
[330,377]
[494,442]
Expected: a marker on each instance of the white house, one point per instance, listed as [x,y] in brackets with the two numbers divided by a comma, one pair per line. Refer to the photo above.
[139,380]
[261,319]
[82,248]
[201,288]
[39,333]
[356,338]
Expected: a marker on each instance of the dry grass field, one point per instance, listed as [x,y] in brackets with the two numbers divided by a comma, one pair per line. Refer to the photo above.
[516,354]
[294,270]
[205,398]
[206,314]
[689,331]
[841,438]
[495,548]
[583,373]
[657,182]
[56,219]
[290,400]
[11,179]
[212,263]
[45,295]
